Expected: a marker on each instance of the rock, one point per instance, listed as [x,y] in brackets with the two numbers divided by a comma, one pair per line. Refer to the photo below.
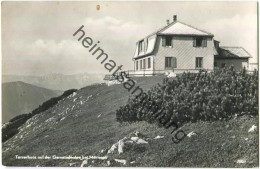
[121,161]
[102,151]
[191,134]
[120,146]
[108,163]
[62,118]
[72,164]
[137,133]
[158,137]
[241,161]
[228,126]
[252,129]
[134,138]
[141,141]
[74,94]
[112,149]
[84,163]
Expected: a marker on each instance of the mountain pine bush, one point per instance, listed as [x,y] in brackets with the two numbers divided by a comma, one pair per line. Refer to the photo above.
[206,96]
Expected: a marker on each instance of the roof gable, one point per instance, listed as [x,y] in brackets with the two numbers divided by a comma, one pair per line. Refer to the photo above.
[179,28]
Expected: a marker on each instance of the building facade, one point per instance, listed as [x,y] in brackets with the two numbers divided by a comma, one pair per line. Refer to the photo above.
[179,47]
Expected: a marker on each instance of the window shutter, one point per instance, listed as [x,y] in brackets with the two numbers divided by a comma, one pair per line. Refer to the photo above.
[145,45]
[172,42]
[174,62]
[163,41]
[194,42]
[204,44]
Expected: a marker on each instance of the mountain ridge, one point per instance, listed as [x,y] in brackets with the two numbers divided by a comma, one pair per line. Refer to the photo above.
[57,81]
[20,97]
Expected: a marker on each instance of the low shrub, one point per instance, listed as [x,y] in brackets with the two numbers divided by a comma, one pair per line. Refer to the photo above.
[189,97]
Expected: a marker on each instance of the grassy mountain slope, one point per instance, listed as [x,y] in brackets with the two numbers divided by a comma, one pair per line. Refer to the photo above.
[19,98]
[85,123]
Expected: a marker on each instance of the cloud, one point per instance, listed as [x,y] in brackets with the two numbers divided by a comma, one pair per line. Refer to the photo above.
[43,49]
[117,38]
[239,30]
[115,29]
[49,56]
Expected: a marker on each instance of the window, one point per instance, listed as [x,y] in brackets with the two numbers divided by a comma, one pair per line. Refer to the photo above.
[166,41]
[141,64]
[199,62]
[144,64]
[199,42]
[136,65]
[149,63]
[170,62]
[140,46]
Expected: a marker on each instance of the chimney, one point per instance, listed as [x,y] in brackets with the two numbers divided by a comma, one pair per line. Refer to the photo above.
[168,21]
[174,18]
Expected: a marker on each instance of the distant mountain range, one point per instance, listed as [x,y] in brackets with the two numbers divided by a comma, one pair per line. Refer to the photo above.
[57,81]
[19,98]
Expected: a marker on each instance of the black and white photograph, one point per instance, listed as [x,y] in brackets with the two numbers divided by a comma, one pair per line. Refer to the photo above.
[130,84]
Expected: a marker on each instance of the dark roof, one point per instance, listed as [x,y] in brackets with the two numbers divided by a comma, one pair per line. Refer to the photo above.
[233,52]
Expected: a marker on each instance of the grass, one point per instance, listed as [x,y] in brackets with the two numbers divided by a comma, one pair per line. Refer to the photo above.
[83,133]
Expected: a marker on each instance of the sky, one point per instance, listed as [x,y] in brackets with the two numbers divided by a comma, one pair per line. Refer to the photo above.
[37,36]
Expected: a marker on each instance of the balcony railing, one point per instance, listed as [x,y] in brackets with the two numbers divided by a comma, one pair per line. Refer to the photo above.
[136,73]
